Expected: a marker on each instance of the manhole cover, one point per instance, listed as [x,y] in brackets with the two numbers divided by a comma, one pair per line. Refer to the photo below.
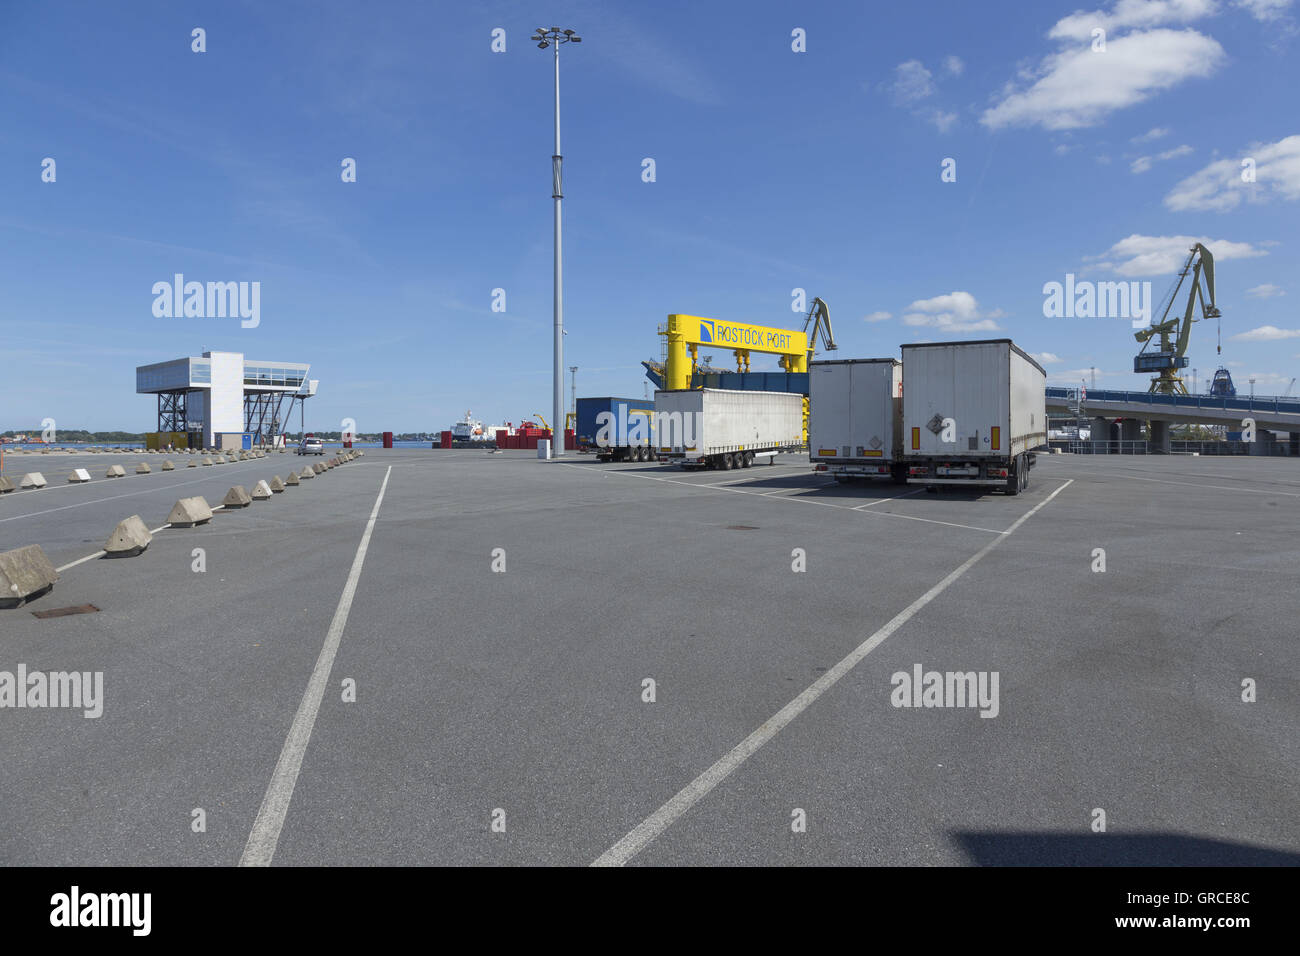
[65,611]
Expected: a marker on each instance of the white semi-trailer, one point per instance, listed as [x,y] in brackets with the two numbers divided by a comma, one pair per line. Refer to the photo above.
[973,413]
[726,428]
[855,418]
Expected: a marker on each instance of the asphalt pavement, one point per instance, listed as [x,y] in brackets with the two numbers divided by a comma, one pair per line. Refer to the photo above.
[529,662]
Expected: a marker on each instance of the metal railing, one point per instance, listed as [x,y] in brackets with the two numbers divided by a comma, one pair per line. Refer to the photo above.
[1102,447]
[1260,403]
[1073,447]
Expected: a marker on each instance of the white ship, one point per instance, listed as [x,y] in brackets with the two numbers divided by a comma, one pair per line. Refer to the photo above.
[468,429]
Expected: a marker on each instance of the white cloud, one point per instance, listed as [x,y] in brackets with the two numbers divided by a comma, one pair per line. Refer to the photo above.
[954,65]
[877,317]
[1164,255]
[1079,87]
[1143,163]
[954,312]
[1263,378]
[1265,291]
[912,83]
[1046,358]
[1075,374]
[1131,14]
[1151,134]
[1264,11]
[1266,333]
[1219,187]
[943,121]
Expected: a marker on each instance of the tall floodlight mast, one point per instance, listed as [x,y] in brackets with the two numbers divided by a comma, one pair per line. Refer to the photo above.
[545,37]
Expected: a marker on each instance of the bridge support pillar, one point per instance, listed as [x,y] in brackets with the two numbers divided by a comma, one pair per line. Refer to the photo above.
[1130,429]
[1159,444]
[1293,440]
[1100,435]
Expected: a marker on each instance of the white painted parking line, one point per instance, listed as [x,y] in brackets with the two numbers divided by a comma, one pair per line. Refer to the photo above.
[697,789]
[809,501]
[872,504]
[1191,484]
[950,524]
[100,553]
[95,501]
[265,834]
[73,564]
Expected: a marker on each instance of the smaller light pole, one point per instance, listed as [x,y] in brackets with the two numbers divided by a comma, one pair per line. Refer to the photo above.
[1252,389]
[573,389]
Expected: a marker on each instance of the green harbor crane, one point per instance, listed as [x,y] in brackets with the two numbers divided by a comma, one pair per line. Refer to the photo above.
[1174,333]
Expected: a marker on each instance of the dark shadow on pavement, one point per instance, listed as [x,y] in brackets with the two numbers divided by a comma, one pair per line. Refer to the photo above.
[1114,849]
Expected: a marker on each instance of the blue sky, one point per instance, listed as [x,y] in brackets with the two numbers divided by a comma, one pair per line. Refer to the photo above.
[775,170]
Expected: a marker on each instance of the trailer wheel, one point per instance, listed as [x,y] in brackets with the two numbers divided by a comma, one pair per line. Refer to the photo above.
[726,462]
[1014,480]
[1024,482]
[931,489]
[749,459]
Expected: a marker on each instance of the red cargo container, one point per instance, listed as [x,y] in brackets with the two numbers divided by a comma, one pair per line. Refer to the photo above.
[388,439]
[444,438]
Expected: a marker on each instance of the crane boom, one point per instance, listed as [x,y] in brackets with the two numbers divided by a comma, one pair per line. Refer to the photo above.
[819,317]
